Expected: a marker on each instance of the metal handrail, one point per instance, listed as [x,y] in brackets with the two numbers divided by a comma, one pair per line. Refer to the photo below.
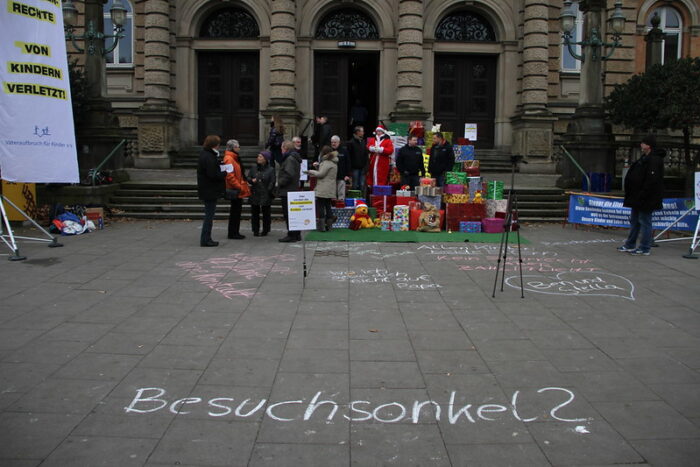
[571,158]
[94,171]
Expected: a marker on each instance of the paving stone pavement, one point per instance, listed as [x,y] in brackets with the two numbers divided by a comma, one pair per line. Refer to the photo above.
[134,346]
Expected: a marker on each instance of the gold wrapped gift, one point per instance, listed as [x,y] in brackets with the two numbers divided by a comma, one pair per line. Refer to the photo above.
[456,198]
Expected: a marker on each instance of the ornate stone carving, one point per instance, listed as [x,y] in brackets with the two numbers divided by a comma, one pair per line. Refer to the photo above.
[152,138]
[346,24]
[230,23]
[464,26]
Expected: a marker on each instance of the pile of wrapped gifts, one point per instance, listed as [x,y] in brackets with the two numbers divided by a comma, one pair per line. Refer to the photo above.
[467,203]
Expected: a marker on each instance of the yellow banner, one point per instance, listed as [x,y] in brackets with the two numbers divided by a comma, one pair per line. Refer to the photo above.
[23,195]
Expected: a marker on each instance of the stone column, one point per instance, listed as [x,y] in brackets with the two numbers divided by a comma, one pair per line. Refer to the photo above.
[157,132]
[283,65]
[588,137]
[533,125]
[409,96]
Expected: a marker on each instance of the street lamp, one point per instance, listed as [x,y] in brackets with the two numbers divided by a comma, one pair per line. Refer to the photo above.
[595,41]
[93,37]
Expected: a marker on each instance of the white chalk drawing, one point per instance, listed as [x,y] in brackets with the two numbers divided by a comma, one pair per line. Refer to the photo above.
[577,284]
[213,271]
[154,399]
[401,280]
[582,242]
[365,249]
[481,249]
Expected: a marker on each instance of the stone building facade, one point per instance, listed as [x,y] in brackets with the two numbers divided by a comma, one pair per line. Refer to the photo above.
[192,67]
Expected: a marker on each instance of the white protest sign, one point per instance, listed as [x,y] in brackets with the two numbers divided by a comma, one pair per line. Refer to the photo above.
[301,207]
[303,176]
[37,138]
[470,131]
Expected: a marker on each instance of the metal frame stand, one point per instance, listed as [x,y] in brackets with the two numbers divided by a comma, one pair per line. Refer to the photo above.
[693,240]
[12,243]
[511,223]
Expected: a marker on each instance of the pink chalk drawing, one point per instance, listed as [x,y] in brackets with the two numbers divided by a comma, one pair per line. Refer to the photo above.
[211,272]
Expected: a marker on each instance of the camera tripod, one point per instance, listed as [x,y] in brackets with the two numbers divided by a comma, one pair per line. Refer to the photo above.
[510,224]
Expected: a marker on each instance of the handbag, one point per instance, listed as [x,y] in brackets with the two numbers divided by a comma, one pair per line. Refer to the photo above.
[231,193]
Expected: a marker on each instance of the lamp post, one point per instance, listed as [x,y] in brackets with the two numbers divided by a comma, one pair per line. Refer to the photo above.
[99,129]
[588,138]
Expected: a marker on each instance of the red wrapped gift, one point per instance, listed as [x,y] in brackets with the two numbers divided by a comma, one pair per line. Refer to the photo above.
[473,171]
[476,211]
[414,214]
[382,203]
[405,200]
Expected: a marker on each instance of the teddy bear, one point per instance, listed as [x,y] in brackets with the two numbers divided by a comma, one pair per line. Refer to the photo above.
[361,219]
[429,219]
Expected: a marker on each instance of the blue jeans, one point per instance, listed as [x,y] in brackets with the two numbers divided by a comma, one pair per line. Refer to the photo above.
[440,180]
[358,179]
[209,211]
[640,223]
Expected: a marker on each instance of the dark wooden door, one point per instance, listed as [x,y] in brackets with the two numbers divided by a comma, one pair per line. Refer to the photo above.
[465,92]
[341,80]
[331,89]
[229,96]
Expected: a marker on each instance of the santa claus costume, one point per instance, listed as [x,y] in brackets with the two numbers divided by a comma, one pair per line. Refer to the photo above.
[381,150]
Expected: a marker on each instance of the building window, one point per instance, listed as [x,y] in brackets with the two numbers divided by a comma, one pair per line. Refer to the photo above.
[568,62]
[230,23]
[123,54]
[347,24]
[464,26]
[672,27]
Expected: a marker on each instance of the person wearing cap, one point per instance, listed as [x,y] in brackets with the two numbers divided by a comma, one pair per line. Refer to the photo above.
[644,191]
[381,149]
[235,183]
[262,184]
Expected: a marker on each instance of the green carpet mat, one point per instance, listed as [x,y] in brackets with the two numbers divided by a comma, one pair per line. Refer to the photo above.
[376,235]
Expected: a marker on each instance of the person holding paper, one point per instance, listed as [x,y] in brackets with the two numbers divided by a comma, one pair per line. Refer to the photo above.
[262,184]
[326,187]
[236,189]
[381,149]
[210,185]
[288,180]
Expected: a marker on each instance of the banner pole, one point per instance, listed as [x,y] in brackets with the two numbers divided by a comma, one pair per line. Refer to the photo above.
[12,244]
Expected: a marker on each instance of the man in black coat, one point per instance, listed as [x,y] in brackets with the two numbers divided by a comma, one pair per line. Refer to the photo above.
[644,192]
[210,185]
[409,162]
[288,180]
[322,134]
[359,157]
[442,158]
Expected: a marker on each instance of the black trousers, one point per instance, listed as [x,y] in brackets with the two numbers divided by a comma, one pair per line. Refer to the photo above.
[234,217]
[255,210]
[209,211]
[290,233]
[324,208]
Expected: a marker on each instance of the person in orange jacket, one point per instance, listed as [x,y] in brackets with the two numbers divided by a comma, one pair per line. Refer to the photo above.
[235,180]
[380,149]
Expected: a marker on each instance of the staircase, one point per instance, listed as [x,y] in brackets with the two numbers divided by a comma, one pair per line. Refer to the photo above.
[172,194]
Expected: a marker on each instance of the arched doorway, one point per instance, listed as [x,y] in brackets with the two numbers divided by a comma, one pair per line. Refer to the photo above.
[228,90]
[346,82]
[465,84]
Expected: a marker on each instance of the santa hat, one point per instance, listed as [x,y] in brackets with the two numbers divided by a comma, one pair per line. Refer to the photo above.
[360,205]
[380,128]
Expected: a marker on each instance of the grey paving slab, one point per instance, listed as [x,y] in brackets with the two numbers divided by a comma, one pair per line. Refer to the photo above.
[206,443]
[152,365]
[292,455]
[84,450]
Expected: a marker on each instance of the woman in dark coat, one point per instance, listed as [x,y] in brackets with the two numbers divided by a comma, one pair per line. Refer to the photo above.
[644,192]
[275,139]
[262,185]
[210,185]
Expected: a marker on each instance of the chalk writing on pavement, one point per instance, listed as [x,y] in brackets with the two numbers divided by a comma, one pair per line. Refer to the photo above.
[577,284]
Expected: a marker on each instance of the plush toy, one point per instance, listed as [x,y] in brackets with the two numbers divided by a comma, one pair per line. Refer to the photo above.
[361,220]
[477,198]
[429,219]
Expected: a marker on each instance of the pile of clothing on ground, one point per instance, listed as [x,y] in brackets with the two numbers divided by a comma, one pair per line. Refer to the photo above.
[70,220]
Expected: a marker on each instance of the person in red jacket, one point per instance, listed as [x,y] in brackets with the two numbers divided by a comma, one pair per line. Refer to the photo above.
[380,149]
[235,180]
